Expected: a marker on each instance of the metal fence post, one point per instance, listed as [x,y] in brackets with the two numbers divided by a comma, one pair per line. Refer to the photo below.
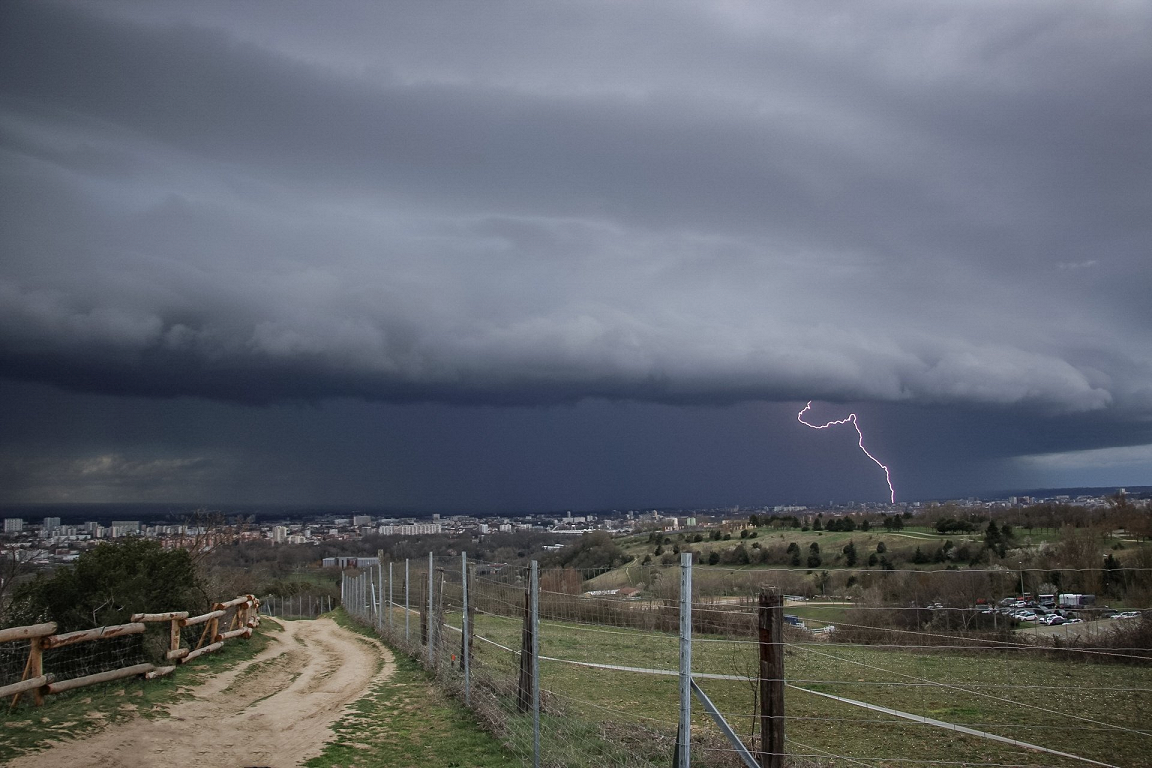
[406,617]
[534,588]
[389,595]
[465,650]
[379,592]
[431,639]
[684,732]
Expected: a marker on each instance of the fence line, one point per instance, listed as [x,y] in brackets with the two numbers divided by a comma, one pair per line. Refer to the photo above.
[45,648]
[569,691]
[296,606]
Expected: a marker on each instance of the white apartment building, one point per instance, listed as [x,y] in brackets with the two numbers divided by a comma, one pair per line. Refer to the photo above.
[414,529]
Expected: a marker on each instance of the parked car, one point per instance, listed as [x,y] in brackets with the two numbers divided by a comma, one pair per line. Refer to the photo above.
[1129,615]
[1073,620]
[1052,619]
[1025,616]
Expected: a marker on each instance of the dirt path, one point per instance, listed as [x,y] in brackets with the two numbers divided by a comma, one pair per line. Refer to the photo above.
[274,710]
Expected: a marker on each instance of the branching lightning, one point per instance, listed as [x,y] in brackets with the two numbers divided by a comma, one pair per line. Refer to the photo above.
[850,420]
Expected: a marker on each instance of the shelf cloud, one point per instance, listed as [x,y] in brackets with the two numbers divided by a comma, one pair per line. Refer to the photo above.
[505,205]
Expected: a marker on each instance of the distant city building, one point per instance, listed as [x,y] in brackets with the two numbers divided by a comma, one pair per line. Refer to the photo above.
[51,523]
[279,534]
[416,529]
[361,520]
[350,562]
[13,524]
[483,527]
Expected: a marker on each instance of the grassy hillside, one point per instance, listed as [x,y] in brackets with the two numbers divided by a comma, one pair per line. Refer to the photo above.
[1090,710]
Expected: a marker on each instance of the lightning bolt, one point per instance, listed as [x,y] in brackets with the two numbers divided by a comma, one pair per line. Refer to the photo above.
[850,420]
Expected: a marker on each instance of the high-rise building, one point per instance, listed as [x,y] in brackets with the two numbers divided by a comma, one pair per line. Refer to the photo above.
[51,523]
[13,524]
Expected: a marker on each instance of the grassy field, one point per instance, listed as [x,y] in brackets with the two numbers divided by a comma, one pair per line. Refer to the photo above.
[77,713]
[1089,710]
[406,721]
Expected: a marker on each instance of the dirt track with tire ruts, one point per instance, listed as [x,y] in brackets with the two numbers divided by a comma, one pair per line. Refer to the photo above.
[274,710]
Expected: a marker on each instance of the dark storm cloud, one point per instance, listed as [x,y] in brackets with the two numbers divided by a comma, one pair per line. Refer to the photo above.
[505,204]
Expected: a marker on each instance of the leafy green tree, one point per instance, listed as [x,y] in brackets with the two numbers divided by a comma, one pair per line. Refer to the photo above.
[814,560]
[850,555]
[919,557]
[713,557]
[817,525]
[881,547]
[872,560]
[111,582]
[992,534]
[740,556]
[592,552]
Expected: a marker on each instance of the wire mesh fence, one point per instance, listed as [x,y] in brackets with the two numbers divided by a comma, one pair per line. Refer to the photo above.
[299,606]
[36,660]
[580,673]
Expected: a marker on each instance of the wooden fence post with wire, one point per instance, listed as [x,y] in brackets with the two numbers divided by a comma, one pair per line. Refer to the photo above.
[771,633]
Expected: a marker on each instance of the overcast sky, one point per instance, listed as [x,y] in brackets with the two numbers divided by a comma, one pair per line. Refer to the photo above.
[574,254]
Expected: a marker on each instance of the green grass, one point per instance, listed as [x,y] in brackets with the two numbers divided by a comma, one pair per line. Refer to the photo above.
[81,712]
[406,721]
[1043,707]
[818,614]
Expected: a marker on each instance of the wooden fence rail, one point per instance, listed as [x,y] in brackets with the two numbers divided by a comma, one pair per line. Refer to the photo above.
[43,637]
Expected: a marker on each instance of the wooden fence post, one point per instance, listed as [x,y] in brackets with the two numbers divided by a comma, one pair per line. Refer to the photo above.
[36,666]
[771,628]
[174,636]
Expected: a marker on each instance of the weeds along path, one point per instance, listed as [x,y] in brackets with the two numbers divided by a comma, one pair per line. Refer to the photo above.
[275,710]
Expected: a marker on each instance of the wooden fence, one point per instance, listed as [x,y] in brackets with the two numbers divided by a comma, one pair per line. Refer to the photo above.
[232,619]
